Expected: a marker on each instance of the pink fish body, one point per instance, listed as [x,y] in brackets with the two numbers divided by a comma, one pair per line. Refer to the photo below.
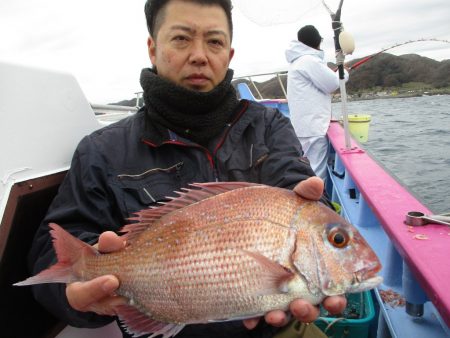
[223,251]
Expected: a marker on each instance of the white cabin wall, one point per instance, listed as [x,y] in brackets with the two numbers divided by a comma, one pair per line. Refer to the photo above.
[43,116]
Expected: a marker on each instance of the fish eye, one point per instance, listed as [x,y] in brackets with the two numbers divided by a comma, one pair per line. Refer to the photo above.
[337,236]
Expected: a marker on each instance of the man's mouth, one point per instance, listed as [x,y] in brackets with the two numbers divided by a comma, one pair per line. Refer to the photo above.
[197,79]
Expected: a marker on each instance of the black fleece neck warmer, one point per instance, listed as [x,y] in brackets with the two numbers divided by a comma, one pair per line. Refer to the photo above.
[197,116]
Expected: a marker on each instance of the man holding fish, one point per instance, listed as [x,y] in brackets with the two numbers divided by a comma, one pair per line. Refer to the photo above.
[191,129]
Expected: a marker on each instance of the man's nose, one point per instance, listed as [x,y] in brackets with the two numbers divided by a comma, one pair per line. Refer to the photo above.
[198,55]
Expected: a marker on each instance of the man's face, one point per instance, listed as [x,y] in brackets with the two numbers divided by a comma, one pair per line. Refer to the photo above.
[192,47]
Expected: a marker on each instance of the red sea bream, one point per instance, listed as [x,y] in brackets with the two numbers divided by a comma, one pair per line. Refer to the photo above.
[222,251]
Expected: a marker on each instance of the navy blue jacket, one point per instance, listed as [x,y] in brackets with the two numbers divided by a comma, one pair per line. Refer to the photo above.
[132,164]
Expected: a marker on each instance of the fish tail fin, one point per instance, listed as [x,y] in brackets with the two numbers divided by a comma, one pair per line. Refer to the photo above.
[69,251]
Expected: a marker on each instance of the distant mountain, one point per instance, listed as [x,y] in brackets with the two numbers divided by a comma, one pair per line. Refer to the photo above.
[387,70]
[129,103]
[383,72]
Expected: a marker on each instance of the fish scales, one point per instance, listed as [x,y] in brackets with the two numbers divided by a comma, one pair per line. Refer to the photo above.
[192,268]
[235,254]
[208,272]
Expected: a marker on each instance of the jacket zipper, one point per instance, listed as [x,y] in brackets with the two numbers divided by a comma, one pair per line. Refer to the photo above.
[176,167]
[222,140]
[209,156]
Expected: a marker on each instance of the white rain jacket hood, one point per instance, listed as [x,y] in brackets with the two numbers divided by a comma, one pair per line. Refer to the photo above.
[310,85]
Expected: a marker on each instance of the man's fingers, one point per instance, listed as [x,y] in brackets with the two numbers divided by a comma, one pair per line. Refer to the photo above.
[251,322]
[109,242]
[304,311]
[276,318]
[107,306]
[311,188]
[81,295]
[335,304]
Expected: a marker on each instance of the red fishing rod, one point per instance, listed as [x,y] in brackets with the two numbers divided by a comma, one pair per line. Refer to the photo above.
[367,58]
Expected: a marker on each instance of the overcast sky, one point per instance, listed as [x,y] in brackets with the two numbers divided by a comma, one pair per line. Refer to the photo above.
[103,42]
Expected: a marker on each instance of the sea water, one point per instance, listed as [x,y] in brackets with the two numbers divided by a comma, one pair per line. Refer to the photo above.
[410,138]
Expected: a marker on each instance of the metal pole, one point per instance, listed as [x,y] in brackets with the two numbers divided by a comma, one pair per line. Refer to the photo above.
[344,113]
[256,88]
[337,27]
[281,85]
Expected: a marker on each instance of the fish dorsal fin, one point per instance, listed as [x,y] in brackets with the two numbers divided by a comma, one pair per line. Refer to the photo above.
[186,197]
[138,323]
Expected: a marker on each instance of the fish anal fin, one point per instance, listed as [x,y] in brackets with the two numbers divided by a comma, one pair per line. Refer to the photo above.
[138,323]
[200,191]
[275,277]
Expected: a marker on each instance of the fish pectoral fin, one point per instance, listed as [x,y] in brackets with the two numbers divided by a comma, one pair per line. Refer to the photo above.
[275,277]
[138,323]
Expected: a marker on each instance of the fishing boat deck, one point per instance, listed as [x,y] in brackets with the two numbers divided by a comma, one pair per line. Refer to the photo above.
[414,258]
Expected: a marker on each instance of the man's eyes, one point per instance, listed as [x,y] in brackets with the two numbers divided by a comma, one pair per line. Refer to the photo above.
[211,41]
[216,42]
[180,38]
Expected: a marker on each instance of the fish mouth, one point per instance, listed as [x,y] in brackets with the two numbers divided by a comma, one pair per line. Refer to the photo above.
[366,278]
[365,285]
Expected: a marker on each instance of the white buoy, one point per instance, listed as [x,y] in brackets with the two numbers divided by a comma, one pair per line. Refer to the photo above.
[347,42]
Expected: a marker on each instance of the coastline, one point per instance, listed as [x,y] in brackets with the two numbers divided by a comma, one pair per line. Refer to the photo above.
[390,94]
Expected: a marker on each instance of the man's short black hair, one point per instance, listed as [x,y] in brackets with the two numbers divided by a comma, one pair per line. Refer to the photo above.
[154,7]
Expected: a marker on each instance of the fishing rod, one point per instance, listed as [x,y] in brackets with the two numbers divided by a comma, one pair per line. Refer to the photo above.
[369,57]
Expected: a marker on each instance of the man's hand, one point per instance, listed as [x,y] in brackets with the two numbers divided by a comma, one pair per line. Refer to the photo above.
[302,310]
[97,295]
[312,189]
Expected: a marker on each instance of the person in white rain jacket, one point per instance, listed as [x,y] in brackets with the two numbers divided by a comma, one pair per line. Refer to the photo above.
[309,87]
